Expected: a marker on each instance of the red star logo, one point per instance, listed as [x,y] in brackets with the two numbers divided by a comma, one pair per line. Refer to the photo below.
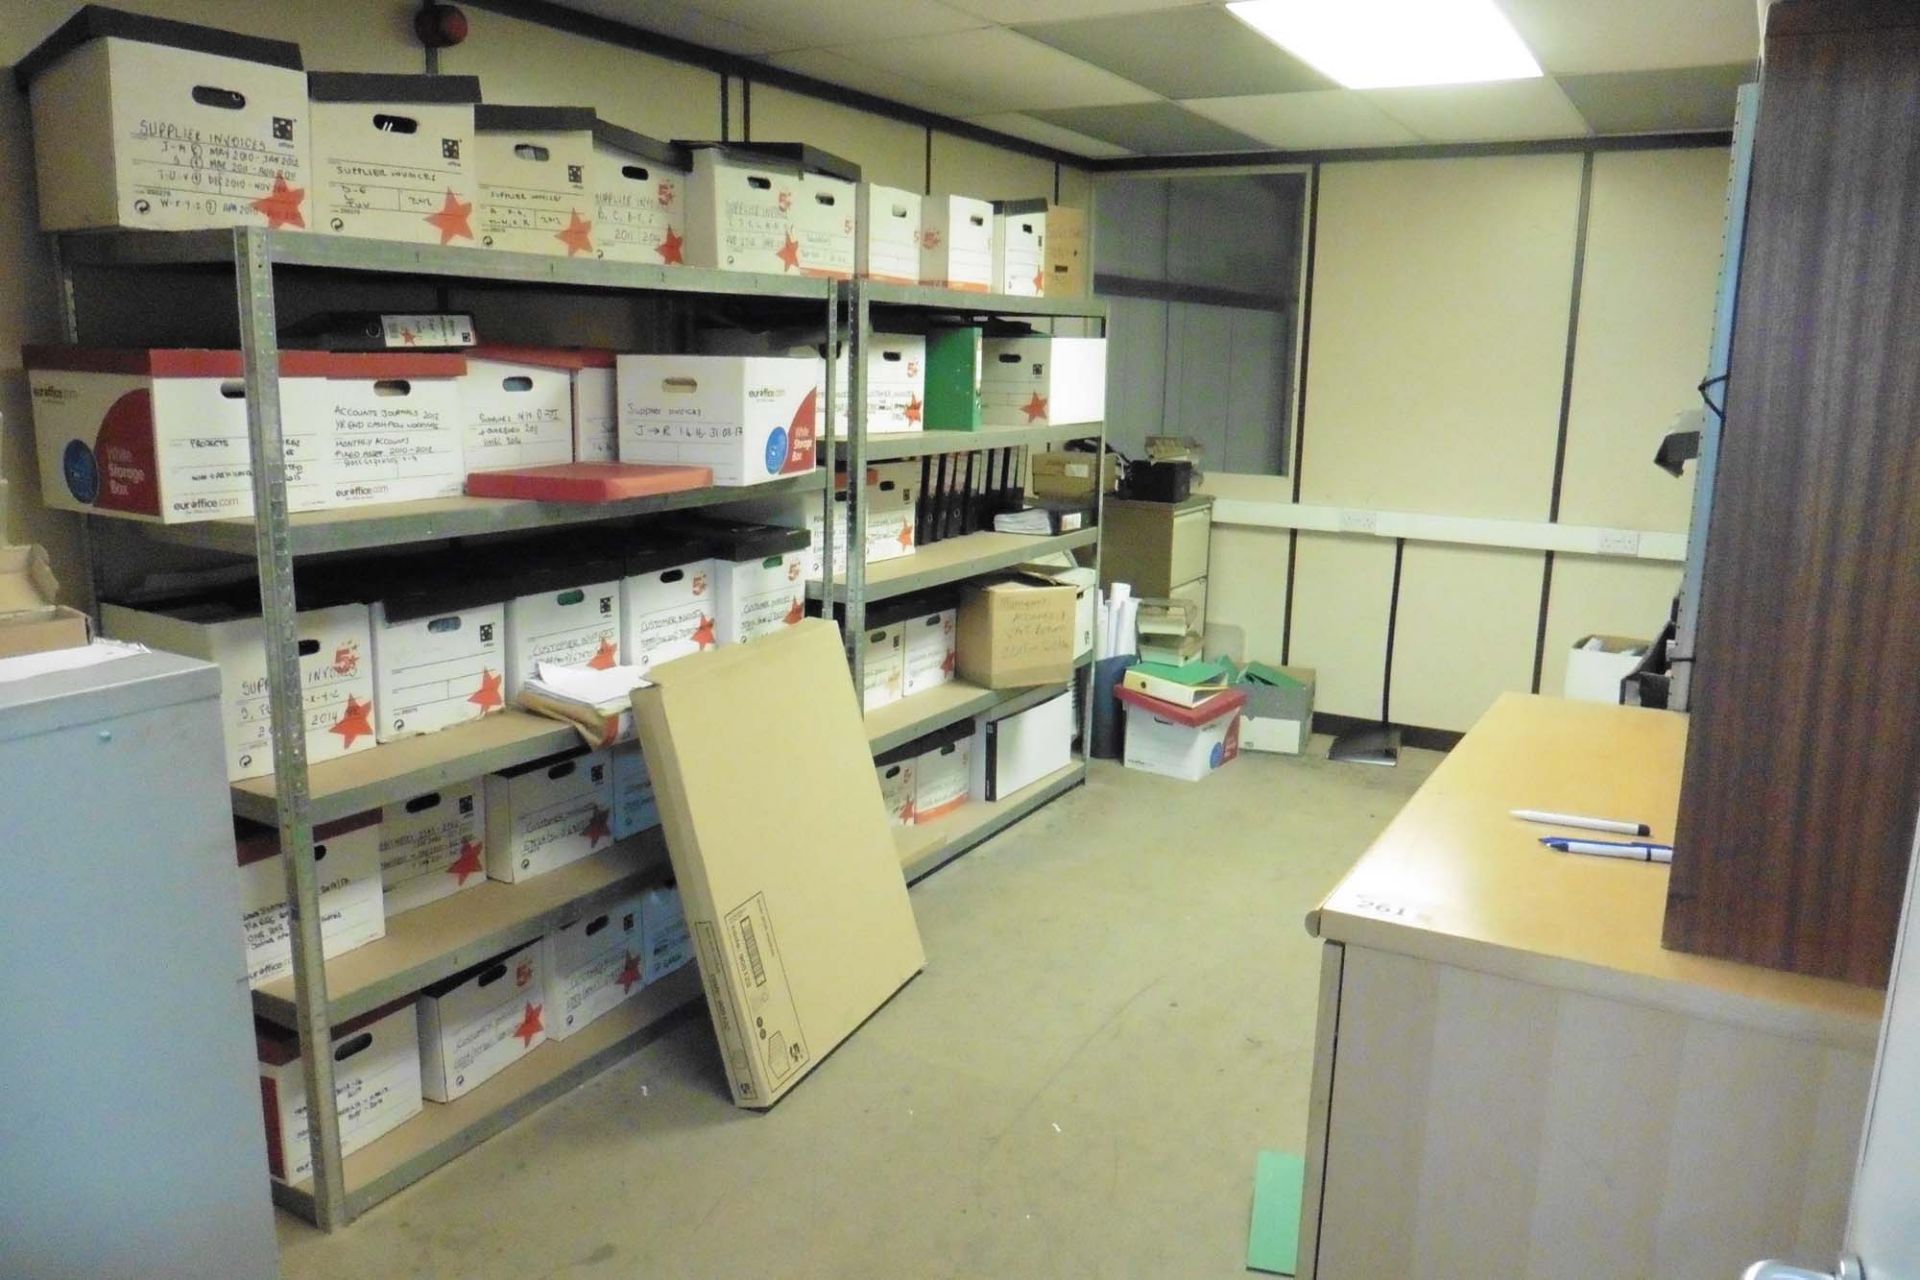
[409,337]
[529,1026]
[790,254]
[669,249]
[487,696]
[282,205]
[468,863]
[1035,409]
[578,236]
[605,656]
[599,826]
[451,220]
[630,972]
[703,634]
[795,615]
[929,239]
[913,409]
[906,535]
[1039,282]
[946,663]
[355,722]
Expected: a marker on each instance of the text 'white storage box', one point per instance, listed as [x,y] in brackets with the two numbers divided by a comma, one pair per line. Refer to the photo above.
[663,927]
[1019,247]
[1181,742]
[667,607]
[592,964]
[897,791]
[774,208]
[531,166]
[476,1024]
[336,673]
[433,845]
[634,807]
[943,774]
[567,623]
[929,650]
[889,234]
[438,660]
[639,196]
[544,815]
[517,407]
[346,857]
[759,578]
[1037,381]
[749,418]
[376,1085]
[152,124]
[393,156]
[956,243]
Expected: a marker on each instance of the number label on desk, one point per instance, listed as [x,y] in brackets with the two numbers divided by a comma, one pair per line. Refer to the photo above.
[1398,911]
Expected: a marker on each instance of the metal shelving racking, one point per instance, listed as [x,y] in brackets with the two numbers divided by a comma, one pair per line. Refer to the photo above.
[925,849]
[440,939]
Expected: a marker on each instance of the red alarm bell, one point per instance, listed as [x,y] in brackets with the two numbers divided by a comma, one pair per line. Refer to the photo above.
[440,26]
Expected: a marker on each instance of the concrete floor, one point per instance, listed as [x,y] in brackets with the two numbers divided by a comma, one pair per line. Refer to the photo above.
[1117,1012]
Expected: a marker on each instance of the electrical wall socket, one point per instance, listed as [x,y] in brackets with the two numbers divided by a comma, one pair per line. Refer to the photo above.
[1618,542]
[1359,521]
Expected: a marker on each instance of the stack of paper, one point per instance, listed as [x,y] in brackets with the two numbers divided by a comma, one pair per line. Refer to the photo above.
[597,701]
[1169,632]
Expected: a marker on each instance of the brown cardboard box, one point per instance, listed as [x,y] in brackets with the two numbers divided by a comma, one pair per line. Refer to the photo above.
[1065,474]
[1014,633]
[780,844]
[1066,251]
[30,621]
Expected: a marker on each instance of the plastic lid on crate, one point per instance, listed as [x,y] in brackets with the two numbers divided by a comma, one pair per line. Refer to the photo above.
[203,362]
[739,541]
[1220,704]
[654,551]
[374,86]
[277,1046]
[543,357]
[97,22]
[1037,204]
[672,154]
[440,988]
[793,155]
[256,841]
[495,118]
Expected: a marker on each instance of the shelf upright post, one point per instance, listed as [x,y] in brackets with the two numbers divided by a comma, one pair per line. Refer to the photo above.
[273,550]
[1091,673]
[826,451]
[70,334]
[859,322]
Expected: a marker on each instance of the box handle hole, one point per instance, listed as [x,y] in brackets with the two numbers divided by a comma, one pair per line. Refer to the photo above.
[347,1048]
[225,99]
[395,124]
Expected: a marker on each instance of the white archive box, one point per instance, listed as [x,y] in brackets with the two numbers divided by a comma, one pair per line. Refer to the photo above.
[884,669]
[776,208]
[749,418]
[892,488]
[1040,380]
[517,406]
[152,124]
[376,1084]
[956,243]
[439,659]
[929,650]
[896,788]
[888,228]
[639,196]
[531,165]
[896,382]
[569,615]
[346,864]
[433,845]
[592,965]
[943,772]
[393,156]
[1019,247]
[759,577]
[634,807]
[336,673]
[667,604]
[548,813]
[663,929]
[476,1024]
[1018,750]
[386,425]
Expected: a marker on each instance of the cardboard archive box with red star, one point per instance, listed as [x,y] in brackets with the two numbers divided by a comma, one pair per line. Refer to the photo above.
[439,649]
[667,604]
[546,814]
[639,197]
[433,845]
[376,1084]
[930,652]
[531,167]
[152,124]
[1038,381]
[956,243]
[1019,247]
[889,234]
[759,576]
[567,614]
[346,858]
[479,1022]
[778,208]
[393,156]
[593,965]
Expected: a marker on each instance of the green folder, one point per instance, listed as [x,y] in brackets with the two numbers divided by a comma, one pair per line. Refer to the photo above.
[1261,673]
[1273,1240]
[953,379]
[1191,674]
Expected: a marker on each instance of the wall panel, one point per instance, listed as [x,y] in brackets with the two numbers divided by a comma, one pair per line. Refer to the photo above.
[964,167]
[1341,591]
[1247,588]
[1464,633]
[889,152]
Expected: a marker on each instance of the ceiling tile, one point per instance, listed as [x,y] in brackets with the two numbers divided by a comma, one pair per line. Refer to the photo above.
[1501,111]
[671,18]
[1331,118]
[1049,135]
[1158,50]
[1651,101]
[825,64]
[1006,71]
[1061,10]
[1151,128]
[817,24]
[1569,36]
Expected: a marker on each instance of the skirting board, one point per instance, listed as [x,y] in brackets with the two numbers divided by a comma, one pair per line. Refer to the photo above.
[1472,531]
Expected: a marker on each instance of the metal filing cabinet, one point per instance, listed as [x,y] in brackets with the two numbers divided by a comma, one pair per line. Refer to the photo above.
[130,1139]
[1161,548]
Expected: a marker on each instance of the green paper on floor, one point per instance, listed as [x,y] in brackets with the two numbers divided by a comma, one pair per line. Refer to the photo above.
[1273,1241]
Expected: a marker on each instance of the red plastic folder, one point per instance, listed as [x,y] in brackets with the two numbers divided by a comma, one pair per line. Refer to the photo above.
[587,481]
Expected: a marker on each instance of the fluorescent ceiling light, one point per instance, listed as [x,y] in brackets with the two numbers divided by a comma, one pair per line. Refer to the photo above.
[1387,44]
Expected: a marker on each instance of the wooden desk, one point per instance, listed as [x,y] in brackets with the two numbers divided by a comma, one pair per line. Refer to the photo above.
[1513,1079]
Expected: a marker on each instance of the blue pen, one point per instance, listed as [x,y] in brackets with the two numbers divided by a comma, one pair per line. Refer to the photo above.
[1633,850]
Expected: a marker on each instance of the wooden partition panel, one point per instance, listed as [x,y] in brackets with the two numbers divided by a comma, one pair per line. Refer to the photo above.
[1803,766]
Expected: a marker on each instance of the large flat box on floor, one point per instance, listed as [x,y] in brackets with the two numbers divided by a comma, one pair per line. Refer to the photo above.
[393,156]
[157,125]
[781,848]
[476,1024]
[376,1085]
[531,164]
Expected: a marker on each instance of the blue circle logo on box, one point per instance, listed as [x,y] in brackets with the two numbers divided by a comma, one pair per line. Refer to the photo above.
[776,451]
[1217,756]
[82,473]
